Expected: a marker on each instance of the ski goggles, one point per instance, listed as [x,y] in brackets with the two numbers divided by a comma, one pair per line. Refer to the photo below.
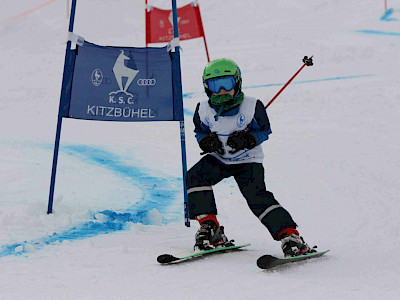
[216,84]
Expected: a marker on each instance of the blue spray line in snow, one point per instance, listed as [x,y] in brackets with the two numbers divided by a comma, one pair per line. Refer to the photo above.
[158,193]
[387,16]
[191,94]
[377,32]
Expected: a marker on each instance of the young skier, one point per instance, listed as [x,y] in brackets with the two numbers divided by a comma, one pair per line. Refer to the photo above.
[230,128]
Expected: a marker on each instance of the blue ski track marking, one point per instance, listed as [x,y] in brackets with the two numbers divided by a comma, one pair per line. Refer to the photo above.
[160,193]
[377,32]
[387,15]
[189,95]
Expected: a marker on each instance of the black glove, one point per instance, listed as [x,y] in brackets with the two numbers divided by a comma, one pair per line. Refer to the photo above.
[211,143]
[240,140]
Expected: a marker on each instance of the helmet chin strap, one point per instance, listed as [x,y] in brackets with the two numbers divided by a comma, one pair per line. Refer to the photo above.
[237,89]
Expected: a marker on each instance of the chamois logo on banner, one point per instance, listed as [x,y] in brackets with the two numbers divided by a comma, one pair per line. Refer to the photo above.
[97,77]
[120,70]
[171,21]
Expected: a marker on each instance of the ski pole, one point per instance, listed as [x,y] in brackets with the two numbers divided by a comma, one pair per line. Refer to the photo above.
[307,62]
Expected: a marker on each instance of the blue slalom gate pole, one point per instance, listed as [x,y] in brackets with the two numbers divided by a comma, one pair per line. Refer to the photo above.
[59,121]
[178,95]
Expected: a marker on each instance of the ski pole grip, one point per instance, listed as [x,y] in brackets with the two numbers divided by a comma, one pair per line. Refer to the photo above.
[308,61]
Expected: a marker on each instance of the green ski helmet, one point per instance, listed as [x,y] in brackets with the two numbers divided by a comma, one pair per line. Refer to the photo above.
[222,67]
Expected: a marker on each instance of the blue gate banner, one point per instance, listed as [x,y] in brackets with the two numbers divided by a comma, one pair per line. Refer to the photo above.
[122,84]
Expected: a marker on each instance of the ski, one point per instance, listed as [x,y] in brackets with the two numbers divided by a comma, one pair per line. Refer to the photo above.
[169,258]
[269,261]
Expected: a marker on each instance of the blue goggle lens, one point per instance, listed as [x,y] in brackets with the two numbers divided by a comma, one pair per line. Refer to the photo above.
[216,84]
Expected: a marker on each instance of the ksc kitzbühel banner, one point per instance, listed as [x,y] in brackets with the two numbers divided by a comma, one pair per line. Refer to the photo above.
[122,84]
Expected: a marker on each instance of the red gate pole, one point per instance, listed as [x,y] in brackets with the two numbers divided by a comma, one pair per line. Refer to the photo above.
[200,24]
[205,44]
[147,21]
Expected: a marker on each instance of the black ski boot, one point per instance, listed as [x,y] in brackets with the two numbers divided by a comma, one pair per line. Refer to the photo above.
[294,245]
[210,236]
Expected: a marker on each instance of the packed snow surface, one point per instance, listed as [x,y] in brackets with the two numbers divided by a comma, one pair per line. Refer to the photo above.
[332,159]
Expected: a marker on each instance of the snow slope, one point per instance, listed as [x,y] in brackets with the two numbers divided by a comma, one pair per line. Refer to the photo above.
[332,159]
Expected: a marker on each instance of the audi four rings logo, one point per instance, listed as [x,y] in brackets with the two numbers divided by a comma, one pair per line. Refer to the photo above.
[144,82]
